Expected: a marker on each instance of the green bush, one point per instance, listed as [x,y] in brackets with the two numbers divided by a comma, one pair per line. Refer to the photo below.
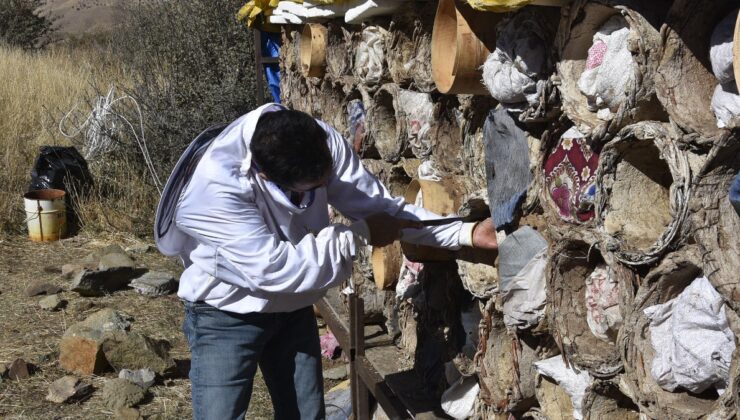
[193,66]
[21,26]
[189,65]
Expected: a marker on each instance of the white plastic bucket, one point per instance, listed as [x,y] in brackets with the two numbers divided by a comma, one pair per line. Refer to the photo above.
[46,215]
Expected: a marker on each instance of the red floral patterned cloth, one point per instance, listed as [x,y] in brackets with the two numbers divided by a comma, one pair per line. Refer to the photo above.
[570,177]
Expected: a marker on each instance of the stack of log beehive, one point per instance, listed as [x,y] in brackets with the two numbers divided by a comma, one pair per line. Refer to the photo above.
[662,215]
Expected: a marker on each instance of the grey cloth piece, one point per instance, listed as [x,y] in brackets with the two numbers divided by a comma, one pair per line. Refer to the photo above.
[516,251]
[507,166]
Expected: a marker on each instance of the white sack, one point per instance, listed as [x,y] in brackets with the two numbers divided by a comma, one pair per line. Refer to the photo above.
[602,303]
[370,55]
[428,171]
[512,72]
[363,10]
[720,52]
[418,109]
[609,69]
[306,10]
[726,105]
[458,400]
[692,340]
[282,17]
[524,297]
[573,383]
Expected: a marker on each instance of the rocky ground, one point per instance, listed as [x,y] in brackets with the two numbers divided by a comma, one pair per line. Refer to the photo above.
[70,326]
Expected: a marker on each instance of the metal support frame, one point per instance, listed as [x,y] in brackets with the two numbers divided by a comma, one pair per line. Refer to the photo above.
[366,384]
[259,66]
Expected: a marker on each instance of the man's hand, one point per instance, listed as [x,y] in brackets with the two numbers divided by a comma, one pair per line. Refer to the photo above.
[385,229]
[484,235]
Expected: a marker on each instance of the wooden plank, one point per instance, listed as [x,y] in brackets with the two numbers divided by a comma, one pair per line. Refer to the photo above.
[258,68]
[360,393]
[385,369]
[334,320]
[392,406]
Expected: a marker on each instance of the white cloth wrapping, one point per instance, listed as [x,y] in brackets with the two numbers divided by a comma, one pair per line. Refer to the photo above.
[720,51]
[418,110]
[285,18]
[609,69]
[428,171]
[524,297]
[314,11]
[692,340]
[363,10]
[513,71]
[370,55]
[725,100]
[458,401]
[306,10]
[602,303]
[573,383]
[408,284]
[726,105]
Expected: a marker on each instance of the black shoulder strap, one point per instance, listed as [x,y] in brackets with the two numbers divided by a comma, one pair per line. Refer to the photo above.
[180,177]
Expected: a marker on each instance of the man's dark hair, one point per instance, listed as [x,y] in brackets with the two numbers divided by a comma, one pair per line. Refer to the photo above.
[290,147]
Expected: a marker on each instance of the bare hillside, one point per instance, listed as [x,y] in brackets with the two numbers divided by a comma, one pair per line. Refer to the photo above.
[77,17]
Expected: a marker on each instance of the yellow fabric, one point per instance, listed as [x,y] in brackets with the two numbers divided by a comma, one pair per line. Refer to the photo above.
[255,10]
[500,6]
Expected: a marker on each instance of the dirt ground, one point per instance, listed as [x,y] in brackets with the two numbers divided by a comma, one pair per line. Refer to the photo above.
[28,332]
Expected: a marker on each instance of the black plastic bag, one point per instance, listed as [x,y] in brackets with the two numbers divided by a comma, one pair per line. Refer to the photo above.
[61,168]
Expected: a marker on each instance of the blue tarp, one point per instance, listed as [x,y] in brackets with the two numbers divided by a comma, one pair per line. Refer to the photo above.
[271,42]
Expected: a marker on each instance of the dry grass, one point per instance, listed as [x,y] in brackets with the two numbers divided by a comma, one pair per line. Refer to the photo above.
[36,88]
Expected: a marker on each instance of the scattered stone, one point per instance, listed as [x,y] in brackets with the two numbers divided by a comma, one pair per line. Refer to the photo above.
[82,356]
[18,370]
[137,351]
[128,413]
[95,256]
[115,260]
[336,373]
[139,249]
[120,393]
[82,305]
[92,258]
[80,349]
[142,377]
[40,288]
[68,389]
[111,249]
[70,271]
[101,282]
[52,303]
[99,323]
[155,283]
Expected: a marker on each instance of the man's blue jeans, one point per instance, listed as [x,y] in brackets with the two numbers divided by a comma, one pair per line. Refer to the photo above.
[227,347]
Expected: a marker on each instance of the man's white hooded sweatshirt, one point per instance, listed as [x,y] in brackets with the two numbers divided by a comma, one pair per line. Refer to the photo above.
[247,248]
